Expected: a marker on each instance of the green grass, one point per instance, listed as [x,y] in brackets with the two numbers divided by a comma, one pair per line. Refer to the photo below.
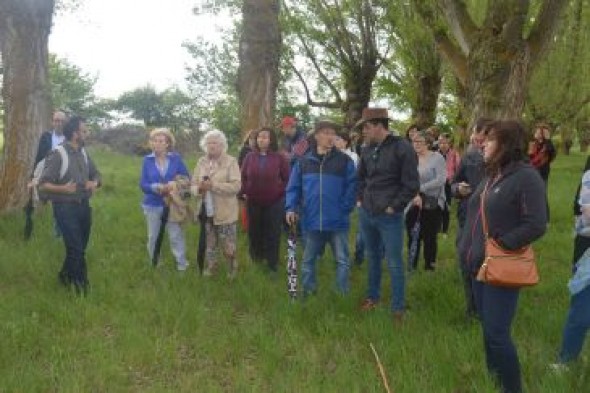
[146,330]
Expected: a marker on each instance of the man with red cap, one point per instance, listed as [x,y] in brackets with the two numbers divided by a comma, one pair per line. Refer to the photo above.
[295,143]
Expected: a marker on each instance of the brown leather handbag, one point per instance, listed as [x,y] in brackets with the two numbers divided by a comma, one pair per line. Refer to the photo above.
[505,268]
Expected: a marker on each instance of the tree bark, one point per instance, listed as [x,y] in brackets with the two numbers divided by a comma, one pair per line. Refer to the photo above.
[259,54]
[493,61]
[24,31]
[424,114]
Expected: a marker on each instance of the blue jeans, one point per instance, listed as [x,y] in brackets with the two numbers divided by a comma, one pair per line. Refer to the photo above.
[384,232]
[315,242]
[497,307]
[75,221]
[576,326]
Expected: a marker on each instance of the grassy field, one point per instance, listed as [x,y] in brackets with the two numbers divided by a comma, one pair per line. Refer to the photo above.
[158,330]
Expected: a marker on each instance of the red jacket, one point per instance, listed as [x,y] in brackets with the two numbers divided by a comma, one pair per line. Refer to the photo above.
[264,178]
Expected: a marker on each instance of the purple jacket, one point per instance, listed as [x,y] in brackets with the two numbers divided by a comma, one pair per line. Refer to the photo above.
[150,176]
[264,182]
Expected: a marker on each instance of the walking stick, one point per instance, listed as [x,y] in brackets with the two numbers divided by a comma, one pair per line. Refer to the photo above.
[292,261]
[160,238]
[202,239]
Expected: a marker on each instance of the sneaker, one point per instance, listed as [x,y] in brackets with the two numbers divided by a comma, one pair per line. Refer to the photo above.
[181,268]
[207,272]
[398,317]
[369,304]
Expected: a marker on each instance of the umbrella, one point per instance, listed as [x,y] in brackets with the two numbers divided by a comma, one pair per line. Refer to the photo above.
[202,239]
[160,238]
[292,262]
[29,209]
[415,238]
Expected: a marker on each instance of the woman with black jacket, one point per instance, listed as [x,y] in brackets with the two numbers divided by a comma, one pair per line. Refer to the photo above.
[514,201]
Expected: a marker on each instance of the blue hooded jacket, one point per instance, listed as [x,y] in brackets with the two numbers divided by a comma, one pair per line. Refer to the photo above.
[323,191]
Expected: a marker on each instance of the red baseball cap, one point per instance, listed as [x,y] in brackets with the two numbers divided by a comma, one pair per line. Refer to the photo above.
[288,121]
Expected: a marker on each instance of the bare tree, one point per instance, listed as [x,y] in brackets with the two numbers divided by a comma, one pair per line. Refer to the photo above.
[24,31]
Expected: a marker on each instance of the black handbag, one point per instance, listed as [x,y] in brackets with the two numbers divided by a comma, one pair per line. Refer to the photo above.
[429,202]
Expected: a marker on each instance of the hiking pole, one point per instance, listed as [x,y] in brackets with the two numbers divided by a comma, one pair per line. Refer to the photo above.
[202,239]
[292,262]
[160,238]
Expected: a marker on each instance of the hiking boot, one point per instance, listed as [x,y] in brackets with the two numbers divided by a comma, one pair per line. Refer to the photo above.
[369,304]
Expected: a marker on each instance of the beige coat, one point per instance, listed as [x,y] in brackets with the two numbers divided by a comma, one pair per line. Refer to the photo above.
[226,183]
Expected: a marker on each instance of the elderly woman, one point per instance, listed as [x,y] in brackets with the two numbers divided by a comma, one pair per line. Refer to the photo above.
[217,182]
[428,204]
[159,170]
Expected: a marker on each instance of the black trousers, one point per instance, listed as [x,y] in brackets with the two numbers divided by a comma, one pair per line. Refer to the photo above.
[75,221]
[430,221]
[264,232]
[446,211]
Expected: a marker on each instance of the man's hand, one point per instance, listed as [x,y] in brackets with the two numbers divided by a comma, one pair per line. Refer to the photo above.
[389,210]
[69,188]
[91,185]
[291,218]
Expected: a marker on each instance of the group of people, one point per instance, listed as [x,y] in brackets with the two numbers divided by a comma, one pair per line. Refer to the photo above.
[312,182]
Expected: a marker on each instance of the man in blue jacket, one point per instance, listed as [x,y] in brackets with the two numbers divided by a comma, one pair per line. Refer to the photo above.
[322,187]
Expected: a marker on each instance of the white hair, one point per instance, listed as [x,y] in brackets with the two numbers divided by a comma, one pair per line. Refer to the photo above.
[213,134]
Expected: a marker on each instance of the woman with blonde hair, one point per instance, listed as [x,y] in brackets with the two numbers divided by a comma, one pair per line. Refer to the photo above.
[217,182]
[159,170]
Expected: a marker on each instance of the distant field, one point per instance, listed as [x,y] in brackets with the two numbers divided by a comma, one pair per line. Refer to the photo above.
[157,330]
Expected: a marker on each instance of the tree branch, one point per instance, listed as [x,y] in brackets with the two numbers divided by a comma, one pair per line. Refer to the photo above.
[310,101]
[460,22]
[454,56]
[544,27]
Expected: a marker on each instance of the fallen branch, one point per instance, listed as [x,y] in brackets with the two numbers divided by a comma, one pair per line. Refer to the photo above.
[381,369]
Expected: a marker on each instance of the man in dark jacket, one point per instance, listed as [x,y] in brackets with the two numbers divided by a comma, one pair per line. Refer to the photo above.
[469,174]
[388,180]
[322,189]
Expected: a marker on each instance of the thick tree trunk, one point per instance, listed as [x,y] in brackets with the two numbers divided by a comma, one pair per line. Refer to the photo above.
[259,53]
[424,114]
[358,95]
[24,32]
[498,78]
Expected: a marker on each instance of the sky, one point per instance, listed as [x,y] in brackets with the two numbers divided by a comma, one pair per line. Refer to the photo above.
[130,43]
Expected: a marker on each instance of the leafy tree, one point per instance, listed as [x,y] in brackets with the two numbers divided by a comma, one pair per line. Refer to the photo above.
[493,50]
[171,108]
[560,87]
[71,88]
[344,43]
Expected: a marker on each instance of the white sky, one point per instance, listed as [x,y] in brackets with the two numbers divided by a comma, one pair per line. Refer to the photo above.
[130,43]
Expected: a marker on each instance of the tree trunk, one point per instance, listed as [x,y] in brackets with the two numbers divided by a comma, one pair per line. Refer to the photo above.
[358,95]
[258,72]
[498,78]
[424,114]
[24,32]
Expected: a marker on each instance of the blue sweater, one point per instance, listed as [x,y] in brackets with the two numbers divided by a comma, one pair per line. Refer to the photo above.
[324,191]
[150,176]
